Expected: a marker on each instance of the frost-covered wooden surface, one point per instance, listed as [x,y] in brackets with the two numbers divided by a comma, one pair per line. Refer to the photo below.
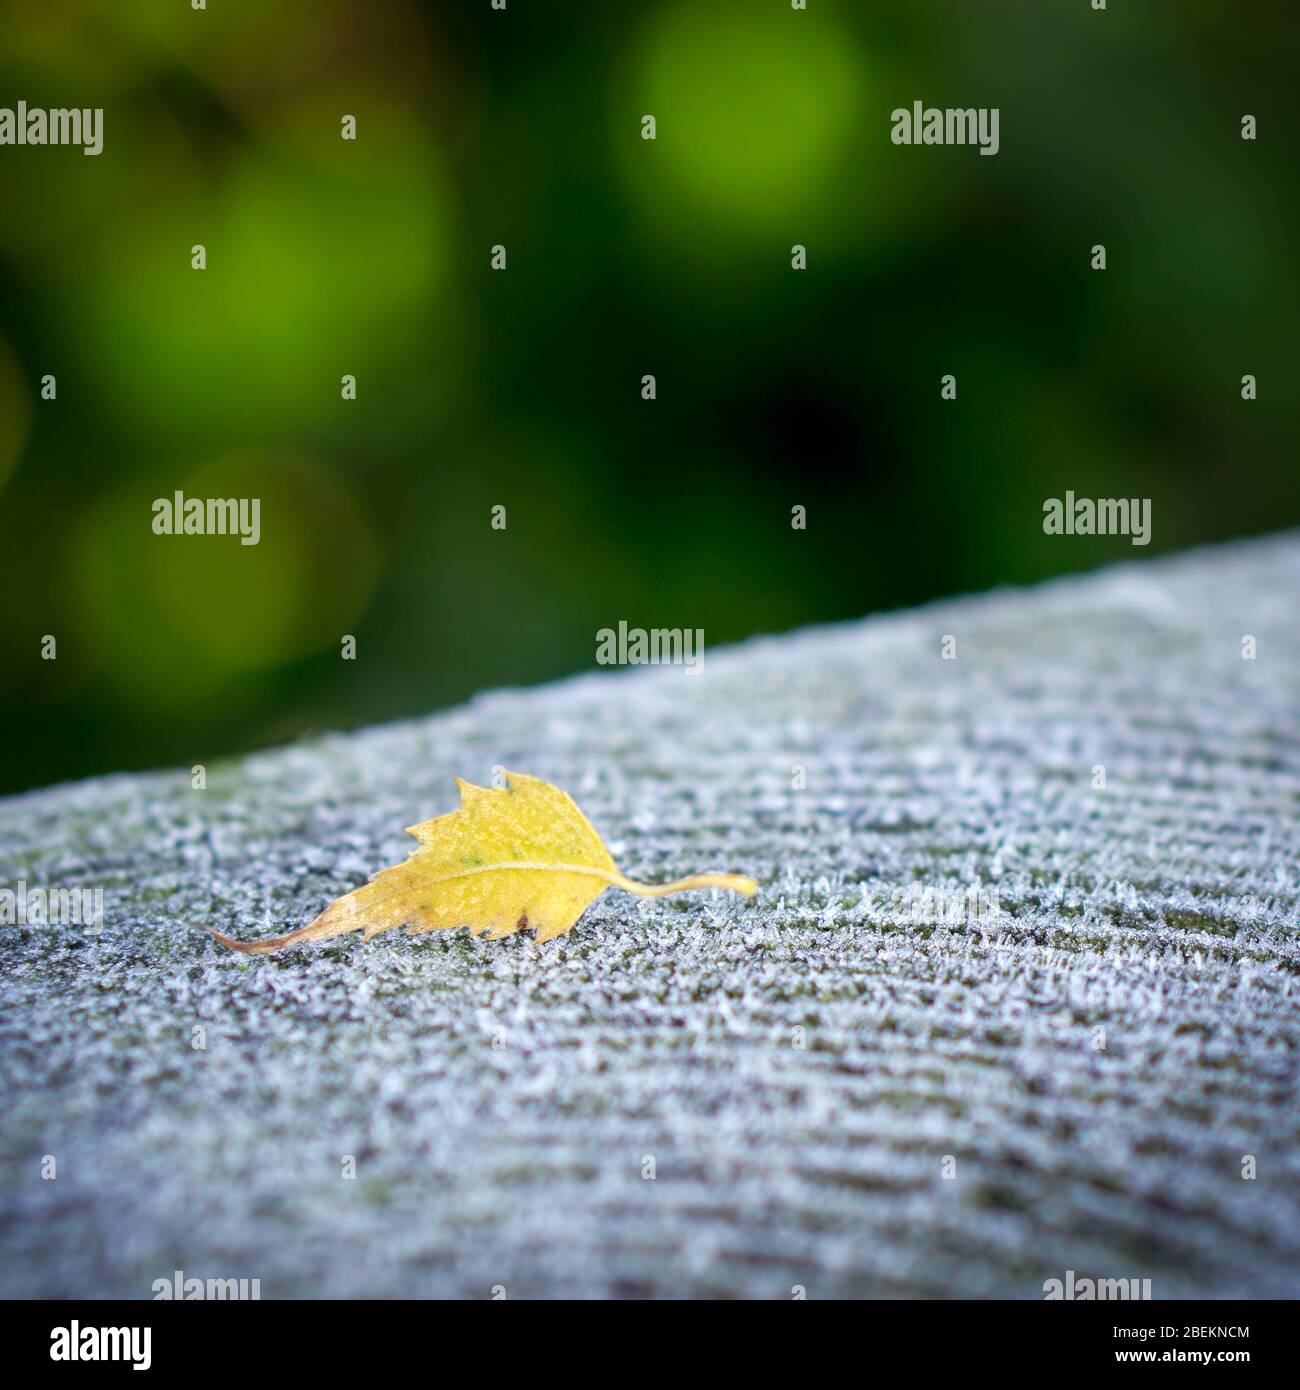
[502,1100]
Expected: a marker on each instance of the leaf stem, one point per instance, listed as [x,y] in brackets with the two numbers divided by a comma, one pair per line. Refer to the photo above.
[258,948]
[733,883]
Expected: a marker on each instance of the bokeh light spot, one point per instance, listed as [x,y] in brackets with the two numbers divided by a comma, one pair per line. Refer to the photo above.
[754,107]
[182,618]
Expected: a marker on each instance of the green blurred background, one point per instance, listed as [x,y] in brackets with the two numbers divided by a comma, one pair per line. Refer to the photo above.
[626,257]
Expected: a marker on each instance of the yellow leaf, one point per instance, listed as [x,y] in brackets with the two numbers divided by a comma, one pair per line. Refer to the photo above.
[517,856]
